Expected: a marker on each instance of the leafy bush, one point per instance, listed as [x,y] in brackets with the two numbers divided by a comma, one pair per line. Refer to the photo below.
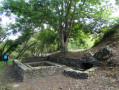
[27,54]
[13,55]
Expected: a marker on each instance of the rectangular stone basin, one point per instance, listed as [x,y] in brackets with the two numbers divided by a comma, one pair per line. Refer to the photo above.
[37,69]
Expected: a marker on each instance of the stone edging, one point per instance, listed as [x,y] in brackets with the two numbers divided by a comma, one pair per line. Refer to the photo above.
[71,62]
[25,71]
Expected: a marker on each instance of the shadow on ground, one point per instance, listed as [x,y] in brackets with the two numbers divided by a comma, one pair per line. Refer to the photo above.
[10,74]
[8,77]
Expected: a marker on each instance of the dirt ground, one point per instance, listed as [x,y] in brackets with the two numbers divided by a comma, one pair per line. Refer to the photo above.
[102,79]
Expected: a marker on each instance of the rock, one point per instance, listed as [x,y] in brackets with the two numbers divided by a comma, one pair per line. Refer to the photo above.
[88,57]
[75,73]
[87,62]
[110,62]
[104,53]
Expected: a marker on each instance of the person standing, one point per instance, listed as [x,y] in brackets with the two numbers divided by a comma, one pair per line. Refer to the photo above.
[5,58]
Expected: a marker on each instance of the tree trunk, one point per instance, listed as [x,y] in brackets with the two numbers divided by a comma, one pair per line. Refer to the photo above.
[64,48]
[63,43]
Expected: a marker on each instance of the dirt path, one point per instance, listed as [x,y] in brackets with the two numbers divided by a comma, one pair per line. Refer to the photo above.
[101,80]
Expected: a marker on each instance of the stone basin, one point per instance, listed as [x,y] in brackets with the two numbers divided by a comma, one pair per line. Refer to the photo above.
[37,69]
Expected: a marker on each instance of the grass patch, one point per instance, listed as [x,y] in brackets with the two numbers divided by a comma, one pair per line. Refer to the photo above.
[2,66]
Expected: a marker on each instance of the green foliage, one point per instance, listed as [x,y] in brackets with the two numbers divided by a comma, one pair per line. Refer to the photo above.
[45,41]
[81,37]
[75,20]
[56,13]
[18,41]
[80,43]
[22,48]
[13,55]
[27,54]
[33,11]
[3,34]
[48,40]
[47,36]
[117,2]
[111,31]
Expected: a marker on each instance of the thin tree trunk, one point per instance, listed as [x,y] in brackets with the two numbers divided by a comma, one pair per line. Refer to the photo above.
[25,50]
[20,51]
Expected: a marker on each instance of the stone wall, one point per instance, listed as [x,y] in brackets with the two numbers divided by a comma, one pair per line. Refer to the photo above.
[27,72]
[40,71]
[21,69]
[65,61]
[45,71]
[61,60]
[33,59]
[72,62]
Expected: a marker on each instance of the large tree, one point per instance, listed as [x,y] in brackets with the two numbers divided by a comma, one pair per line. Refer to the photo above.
[65,13]
[59,14]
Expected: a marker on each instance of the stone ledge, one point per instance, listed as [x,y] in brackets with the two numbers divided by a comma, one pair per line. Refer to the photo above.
[75,73]
[65,61]
[33,59]
[79,74]
[19,64]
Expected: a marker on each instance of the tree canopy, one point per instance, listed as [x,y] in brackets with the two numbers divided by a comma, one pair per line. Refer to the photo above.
[65,20]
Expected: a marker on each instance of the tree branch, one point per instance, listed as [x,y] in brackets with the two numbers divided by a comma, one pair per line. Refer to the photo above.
[66,20]
[2,39]
[25,50]
[71,21]
[83,4]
